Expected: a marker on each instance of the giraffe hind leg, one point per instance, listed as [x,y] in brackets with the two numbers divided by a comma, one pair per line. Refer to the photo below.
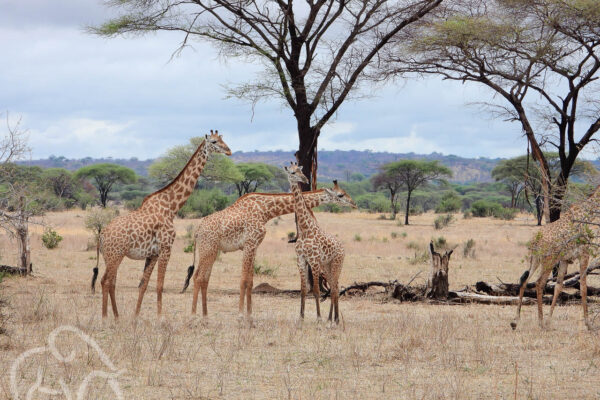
[560,276]
[533,264]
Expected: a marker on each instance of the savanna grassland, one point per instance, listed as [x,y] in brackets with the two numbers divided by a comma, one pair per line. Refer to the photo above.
[382,349]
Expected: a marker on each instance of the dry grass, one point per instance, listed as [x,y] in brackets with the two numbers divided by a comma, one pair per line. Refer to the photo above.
[393,350]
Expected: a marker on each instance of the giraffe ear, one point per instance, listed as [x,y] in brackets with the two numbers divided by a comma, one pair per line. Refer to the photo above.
[205,136]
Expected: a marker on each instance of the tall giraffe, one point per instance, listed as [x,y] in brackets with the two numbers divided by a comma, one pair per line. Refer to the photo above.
[241,226]
[563,241]
[148,233]
[318,253]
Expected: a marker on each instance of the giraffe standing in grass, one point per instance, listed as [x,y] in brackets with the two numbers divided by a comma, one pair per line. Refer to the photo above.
[318,253]
[148,233]
[242,226]
[563,241]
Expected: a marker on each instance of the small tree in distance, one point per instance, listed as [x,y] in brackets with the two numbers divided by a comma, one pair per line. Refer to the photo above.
[409,175]
[104,176]
[253,175]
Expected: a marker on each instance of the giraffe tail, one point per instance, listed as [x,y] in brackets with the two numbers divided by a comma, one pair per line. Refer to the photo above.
[190,271]
[95,273]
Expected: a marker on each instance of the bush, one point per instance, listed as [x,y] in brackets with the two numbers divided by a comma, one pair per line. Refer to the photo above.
[134,204]
[203,202]
[507,214]
[416,210]
[394,235]
[133,194]
[264,270]
[291,235]
[51,238]
[467,214]
[443,221]
[440,243]
[484,208]
[373,202]
[189,248]
[357,238]
[332,208]
[451,202]
[469,249]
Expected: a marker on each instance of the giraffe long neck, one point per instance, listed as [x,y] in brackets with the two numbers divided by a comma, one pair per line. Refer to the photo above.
[183,186]
[284,204]
[306,219]
[173,196]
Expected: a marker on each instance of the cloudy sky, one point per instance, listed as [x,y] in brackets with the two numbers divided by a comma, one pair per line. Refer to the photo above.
[79,95]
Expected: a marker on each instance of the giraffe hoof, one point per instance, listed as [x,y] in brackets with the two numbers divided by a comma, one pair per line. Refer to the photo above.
[513,325]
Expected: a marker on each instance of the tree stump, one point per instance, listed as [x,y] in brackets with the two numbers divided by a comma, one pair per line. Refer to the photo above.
[437,283]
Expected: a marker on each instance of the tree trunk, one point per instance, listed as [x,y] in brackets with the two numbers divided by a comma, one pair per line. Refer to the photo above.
[23,234]
[437,283]
[393,205]
[539,208]
[307,153]
[407,208]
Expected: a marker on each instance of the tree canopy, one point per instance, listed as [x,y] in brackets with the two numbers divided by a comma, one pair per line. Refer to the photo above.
[104,176]
[541,58]
[253,175]
[410,175]
[168,166]
[314,53]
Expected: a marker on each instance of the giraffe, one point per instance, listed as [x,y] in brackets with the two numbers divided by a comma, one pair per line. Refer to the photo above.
[563,241]
[148,233]
[242,226]
[318,253]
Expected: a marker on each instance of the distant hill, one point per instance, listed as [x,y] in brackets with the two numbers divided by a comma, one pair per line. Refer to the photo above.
[335,164]
[340,164]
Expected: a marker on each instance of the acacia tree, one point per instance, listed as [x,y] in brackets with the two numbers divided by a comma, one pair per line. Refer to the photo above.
[314,53]
[17,203]
[541,57]
[522,176]
[218,167]
[104,176]
[386,180]
[253,175]
[412,174]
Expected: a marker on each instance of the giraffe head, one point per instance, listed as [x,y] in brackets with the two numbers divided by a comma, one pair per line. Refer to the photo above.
[215,144]
[339,196]
[294,173]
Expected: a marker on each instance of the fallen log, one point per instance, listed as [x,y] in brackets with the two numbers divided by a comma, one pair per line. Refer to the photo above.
[487,299]
[7,269]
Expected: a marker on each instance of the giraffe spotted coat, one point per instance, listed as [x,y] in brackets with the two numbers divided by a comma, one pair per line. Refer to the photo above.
[242,226]
[148,233]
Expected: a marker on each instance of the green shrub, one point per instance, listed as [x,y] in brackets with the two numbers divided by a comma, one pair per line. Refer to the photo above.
[413,245]
[451,202]
[133,194]
[416,210]
[484,208]
[332,208]
[204,202]
[264,270]
[51,238]
[373,202]
[357,238]
[469,248]
[134,204]
[443,221]
[507,214]
[467,214]
[394,235]
[440,242]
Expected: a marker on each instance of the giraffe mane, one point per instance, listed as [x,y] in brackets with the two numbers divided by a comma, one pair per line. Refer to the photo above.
[178,175]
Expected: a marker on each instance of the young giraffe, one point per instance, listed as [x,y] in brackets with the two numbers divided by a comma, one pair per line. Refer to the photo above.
[241,226]
[562,241]
[148,233]
[318,253]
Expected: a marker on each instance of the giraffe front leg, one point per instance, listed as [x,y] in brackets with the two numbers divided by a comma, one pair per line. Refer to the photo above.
[539,287]
[163,260]
[316,272]
[562,269]
[144,283]
[248,277]
[303,269]
[583,264]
